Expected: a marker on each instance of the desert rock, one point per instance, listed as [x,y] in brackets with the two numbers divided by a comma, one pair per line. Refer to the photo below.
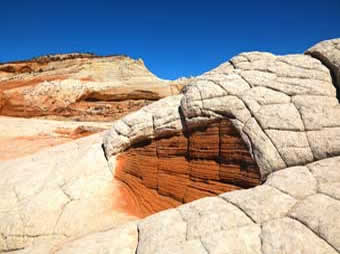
[328,52]
[80,87]
[273,115]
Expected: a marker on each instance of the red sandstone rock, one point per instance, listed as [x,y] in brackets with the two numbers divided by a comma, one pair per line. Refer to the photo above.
[182,168]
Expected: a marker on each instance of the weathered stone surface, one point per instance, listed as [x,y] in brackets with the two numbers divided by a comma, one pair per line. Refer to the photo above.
[167,120]
[159,232]
[265,153]
[187,166]
[313,101]
[324,143]
[293,146]
[262,203]
[279,116]
[289,236]
[224,115]
[58,193]
[123,240]
[329,114]
[21,137]
[258,96]
[327,175]
[321,214]
[298,182]
[283,73]
[245,240]
[328,52]
[209,215]
[80,87]
[247,221]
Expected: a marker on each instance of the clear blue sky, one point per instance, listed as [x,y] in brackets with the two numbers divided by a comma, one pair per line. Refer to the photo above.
[174,38]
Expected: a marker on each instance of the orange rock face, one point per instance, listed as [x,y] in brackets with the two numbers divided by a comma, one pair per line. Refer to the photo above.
[166,172]
[22,137]
[80,87]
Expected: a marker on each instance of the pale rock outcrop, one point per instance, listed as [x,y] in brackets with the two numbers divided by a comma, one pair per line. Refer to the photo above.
[58,194]
[80,87]
[269,106]
[286,111]
[123,240]
[20,137]
[328,52]
[289,236]
[273,218]
[257,101]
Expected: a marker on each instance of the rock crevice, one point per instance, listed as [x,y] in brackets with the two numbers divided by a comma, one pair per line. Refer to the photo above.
[187,166]
[277,116]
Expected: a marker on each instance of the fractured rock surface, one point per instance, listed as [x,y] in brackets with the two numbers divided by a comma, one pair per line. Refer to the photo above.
[285,111]
[328,52]
[284,108]
[59,194]
[185,167]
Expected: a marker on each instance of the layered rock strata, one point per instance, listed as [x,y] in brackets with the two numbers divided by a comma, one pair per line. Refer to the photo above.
[80,87]
[273,111]
[285,110]
[184,167]
[292,212]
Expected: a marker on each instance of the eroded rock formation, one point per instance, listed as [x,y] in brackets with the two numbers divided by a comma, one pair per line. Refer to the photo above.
[285,111]
[181,168]
[272,104]
[328,52]
[22,137]
[80,87]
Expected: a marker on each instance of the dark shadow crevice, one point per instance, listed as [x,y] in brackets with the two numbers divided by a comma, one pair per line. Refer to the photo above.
[332,69]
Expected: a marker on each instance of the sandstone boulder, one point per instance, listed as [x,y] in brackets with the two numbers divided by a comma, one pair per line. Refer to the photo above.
[278,129]
[328,52]
[248,122]
[285,110]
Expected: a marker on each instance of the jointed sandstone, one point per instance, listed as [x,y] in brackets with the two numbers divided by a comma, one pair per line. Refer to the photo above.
[280,112]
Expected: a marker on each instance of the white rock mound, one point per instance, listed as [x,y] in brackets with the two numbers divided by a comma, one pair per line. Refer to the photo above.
[285,109]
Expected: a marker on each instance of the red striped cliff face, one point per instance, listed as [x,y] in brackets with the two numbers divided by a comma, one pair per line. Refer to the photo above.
[167,172]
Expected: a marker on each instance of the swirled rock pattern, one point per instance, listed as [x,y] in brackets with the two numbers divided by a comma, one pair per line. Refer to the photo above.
[181,168]
[286,113]
[80,87]
[284,108]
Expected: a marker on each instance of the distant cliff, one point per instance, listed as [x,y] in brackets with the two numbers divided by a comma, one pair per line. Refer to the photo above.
[80,87]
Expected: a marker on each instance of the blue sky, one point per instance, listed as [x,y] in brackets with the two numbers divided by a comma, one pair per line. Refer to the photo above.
[174,38]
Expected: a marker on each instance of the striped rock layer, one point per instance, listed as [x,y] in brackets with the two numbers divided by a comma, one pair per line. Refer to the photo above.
[286,111]
[281,113]
[81,87]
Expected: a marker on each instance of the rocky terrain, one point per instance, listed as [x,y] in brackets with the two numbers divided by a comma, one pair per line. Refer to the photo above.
[80,87]
[244,160]
[20,137]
